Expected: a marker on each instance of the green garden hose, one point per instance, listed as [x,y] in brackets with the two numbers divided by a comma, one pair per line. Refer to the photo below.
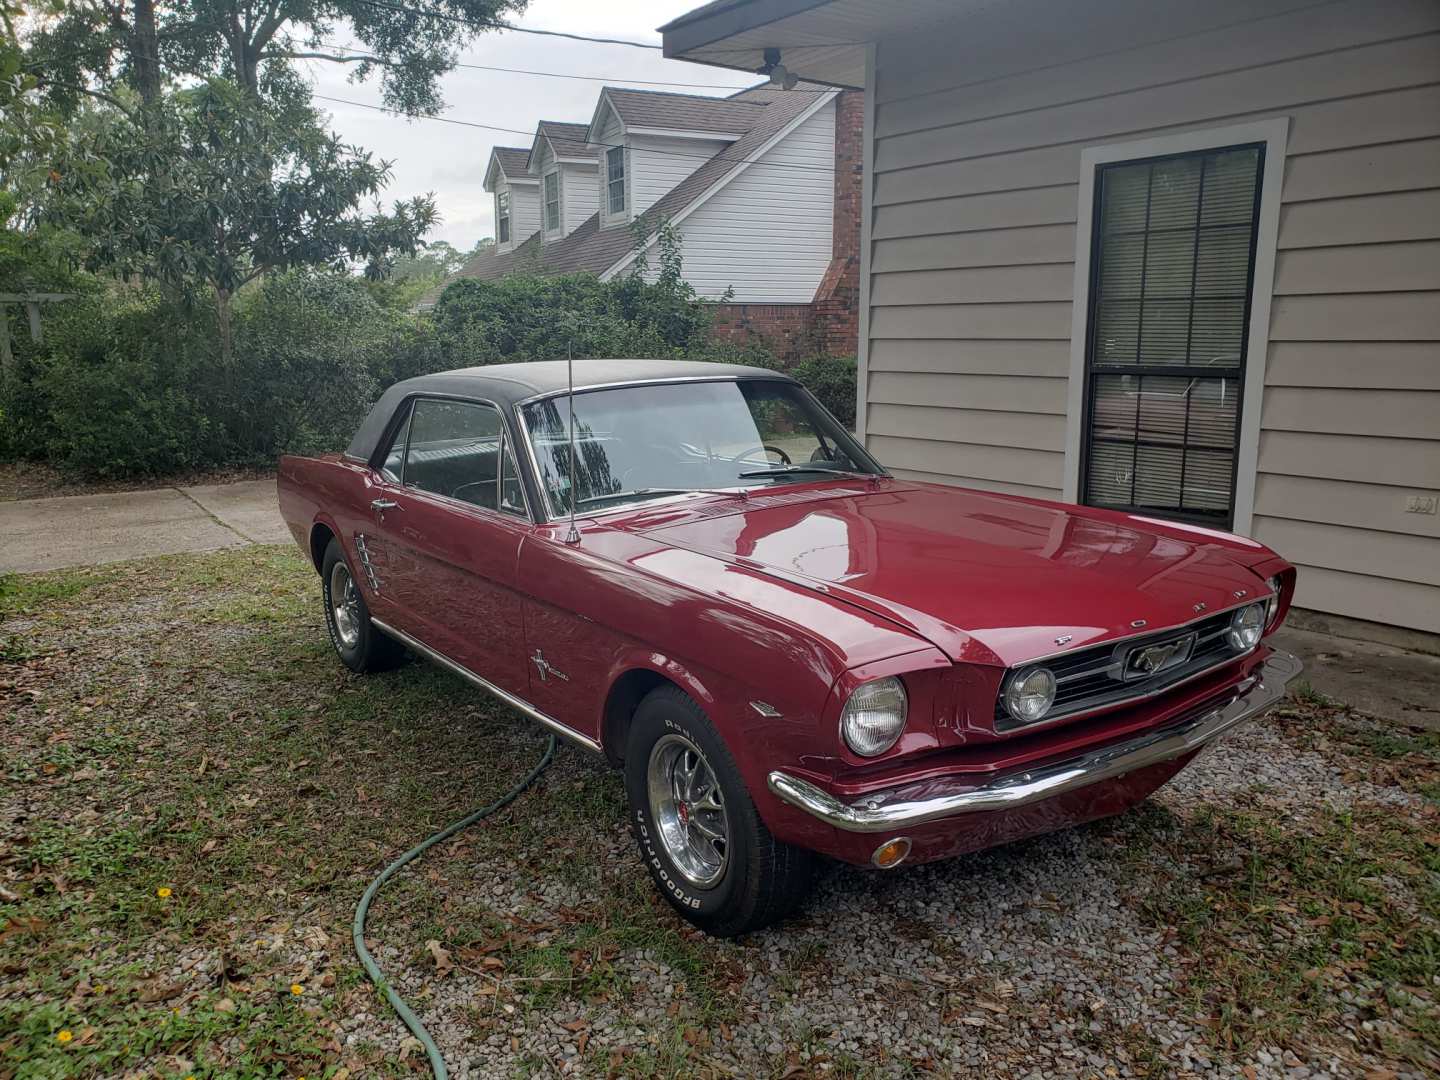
[372,969]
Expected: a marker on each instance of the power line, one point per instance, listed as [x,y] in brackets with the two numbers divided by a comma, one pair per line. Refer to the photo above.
[360,51]
[608,146]
[462,21]
[355,50]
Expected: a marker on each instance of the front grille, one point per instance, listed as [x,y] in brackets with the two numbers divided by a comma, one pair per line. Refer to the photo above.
[1093,678]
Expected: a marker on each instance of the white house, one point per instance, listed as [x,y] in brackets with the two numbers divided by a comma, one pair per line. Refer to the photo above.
[762,187]
[1176,258]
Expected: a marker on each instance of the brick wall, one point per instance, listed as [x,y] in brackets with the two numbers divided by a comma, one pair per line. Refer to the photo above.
[835,323]
[829,324]
[784,329]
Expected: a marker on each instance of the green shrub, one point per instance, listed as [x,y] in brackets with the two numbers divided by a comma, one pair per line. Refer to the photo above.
[121,385]
[832,380]
[130,382]
[311,352]
[528,317]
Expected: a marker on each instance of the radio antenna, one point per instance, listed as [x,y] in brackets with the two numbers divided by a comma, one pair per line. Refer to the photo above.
[573,536]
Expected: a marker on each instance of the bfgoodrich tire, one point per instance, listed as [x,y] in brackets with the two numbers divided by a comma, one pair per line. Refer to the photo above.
[699,833]
[360,645]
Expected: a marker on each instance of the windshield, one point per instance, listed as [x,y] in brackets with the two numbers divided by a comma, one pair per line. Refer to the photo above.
[641,442]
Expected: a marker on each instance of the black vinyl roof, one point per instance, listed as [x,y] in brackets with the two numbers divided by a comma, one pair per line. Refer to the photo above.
[508,384]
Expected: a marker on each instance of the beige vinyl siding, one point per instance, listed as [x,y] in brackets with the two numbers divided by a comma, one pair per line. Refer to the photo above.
[974,208]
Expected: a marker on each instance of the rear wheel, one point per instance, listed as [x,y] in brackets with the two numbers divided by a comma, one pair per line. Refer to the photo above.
[360,645]
[699,833]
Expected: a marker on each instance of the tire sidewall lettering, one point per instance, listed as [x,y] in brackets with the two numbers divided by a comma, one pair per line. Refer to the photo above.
[658,864]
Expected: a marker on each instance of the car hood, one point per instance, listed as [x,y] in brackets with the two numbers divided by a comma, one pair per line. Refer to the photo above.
[987,578]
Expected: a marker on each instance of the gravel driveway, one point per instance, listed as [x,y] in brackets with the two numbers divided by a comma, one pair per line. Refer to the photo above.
[177,727]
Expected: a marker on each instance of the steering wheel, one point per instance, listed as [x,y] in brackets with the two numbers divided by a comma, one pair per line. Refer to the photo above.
[481,486]
[764,448]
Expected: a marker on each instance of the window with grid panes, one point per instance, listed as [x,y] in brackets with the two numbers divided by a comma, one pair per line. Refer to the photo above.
[552,202]
[615,179]
[1172,266]
[502,217]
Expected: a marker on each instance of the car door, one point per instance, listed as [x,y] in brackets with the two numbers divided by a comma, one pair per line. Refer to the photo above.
[447,535]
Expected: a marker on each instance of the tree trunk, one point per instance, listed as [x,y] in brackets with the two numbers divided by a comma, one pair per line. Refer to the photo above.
[227,333]
[145,52]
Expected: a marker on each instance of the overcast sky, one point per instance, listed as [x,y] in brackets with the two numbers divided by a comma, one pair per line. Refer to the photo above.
[449,161]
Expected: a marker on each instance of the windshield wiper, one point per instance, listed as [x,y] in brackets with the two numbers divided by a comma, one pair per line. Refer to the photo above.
[658,491]
[790,470]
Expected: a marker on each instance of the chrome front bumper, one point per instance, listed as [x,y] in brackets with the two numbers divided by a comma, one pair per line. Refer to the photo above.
[908,805]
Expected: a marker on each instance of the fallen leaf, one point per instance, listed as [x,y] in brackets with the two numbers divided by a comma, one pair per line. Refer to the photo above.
[158,991]
[443,963]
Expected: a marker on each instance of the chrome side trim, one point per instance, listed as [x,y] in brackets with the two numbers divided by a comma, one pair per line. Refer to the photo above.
[907,806]
[583,741]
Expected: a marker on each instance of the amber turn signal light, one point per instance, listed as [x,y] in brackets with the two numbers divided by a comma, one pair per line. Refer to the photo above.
[891,853]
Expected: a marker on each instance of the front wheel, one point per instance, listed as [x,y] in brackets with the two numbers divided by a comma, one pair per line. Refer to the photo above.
[698,830]
[360,646]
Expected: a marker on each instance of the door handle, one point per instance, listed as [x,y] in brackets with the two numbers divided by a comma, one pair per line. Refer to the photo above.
[384,504]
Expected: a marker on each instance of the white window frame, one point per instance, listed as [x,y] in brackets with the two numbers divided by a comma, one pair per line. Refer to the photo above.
[1274,134]
[624,182]
[545,203]
[504,211]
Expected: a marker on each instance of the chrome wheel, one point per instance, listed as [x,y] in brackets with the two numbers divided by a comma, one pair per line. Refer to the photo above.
[344,606]
[688,809]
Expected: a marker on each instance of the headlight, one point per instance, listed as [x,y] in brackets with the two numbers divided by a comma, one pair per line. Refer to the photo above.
[1030,694]
[1246,626]
[874,716]
[1273,604]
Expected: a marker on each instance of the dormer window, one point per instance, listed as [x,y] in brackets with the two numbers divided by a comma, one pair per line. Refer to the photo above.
[552,202]
[502,217]
[615,179]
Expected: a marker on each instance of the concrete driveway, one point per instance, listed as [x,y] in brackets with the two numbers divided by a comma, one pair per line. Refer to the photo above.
[85,530]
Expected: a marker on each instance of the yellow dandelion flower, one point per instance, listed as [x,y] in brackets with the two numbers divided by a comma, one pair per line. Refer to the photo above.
[296,989]
[163,892]
[63,1036]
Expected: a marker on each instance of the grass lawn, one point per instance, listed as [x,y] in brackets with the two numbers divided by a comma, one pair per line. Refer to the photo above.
[195,793]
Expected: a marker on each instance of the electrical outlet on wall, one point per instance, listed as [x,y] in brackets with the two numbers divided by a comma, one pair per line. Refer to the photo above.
[1422,504]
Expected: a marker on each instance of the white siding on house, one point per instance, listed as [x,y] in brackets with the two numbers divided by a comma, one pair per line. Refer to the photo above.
[658,163]
[974,202]
[524,211]
[766,234]
[578,198]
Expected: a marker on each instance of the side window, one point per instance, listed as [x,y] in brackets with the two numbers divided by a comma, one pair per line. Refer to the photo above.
[512,495]
[390,467]
[454,450]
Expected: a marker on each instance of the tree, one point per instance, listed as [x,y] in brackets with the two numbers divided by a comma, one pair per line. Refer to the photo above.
[439,260]
[27,128]
[148,46]
[210,187]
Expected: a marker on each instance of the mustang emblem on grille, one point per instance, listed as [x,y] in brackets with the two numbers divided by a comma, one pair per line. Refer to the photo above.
[1145,660]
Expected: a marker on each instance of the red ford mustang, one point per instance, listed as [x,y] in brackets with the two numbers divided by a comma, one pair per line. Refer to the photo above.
[786,649]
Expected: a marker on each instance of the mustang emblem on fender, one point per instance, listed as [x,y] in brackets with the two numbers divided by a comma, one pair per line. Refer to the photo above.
[546,669]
